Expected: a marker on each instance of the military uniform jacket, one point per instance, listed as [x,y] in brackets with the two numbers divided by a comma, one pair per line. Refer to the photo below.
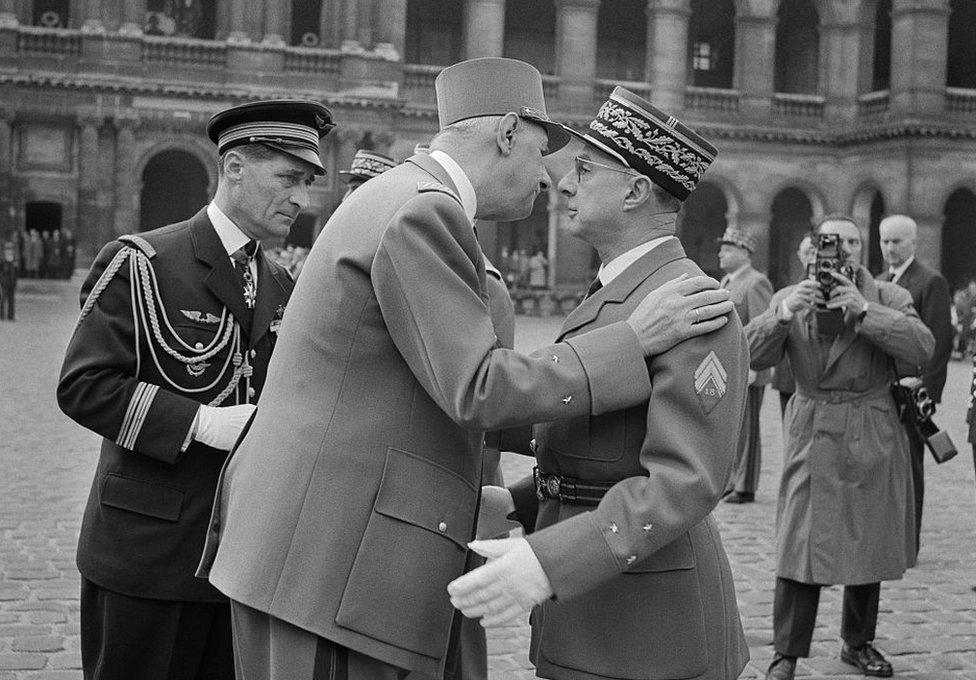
[751,292]
[930,295]
[147,514]
[643,588]
[347,507]
[845,513]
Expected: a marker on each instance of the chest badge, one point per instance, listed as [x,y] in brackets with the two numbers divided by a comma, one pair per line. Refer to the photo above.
[711,381]
[194,315]
[197,369]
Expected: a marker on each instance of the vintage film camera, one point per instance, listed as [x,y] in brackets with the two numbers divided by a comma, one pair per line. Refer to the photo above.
[831,257]
[916,408]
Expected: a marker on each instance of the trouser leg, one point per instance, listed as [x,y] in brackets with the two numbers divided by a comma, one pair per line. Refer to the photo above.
[860,613]
[794,616]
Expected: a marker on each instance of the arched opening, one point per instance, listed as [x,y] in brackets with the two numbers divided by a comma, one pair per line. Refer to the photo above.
[881,65]
[530,33]
[875,262]
[434,30]
[50,13]
[518,244]
[961,58]
[790,221]
[43,251]
[174,188]
[703,220]
[621,42]
[181,18]
[306,21]
[959,238]
[797,48]
[711,43]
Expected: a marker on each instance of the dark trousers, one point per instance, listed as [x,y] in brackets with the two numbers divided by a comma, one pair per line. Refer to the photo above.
[795,615]
[132,638]
[7,303]
[748,457]
[784,399]
[916,449]
[268,648]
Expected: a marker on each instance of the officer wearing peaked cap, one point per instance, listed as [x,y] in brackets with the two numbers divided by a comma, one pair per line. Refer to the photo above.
[347,507]
[635,582]
[166,363]
[365,165]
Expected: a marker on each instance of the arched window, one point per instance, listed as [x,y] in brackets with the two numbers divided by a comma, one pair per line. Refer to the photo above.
[711,43]
[791,220]
[434,32]
[306,22]
[881,65]
[797,48]
[621,43]
[704,217]
[530,33]
[875,262]
[51,13]
[181,18]
[961,64]
[959,238]
[174,186]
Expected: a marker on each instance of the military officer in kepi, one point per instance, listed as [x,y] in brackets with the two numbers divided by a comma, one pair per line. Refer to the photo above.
[365,165]
[166,363]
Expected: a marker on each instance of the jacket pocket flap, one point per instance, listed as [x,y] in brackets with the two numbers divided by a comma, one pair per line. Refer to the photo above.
[427,495]
[678,554]
[145,498]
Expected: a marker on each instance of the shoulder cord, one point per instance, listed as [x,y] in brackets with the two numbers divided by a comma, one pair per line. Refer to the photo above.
[113,267]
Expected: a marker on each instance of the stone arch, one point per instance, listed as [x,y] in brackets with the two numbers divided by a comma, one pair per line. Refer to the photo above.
[530,33]
[874,49]
[961,44]
[959,236]
[435,30]
[797,67]
[174,185]
[706,213]
[711,43]
[793,212]
[202,151]
[621,41]
[868,207]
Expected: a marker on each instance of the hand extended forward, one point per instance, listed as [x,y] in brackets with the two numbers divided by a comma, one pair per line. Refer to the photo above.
[682,308]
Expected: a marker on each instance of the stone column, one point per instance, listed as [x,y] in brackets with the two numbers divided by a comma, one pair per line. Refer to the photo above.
[929,238]
[88,176]
[91,21]
[277,22]
[364,23]
[133,17]
[126,184]
[755,57]
[838,53]
[484,28]
[576,27]
[390,22]
[918,60]
[6,220]
[237,22]
[667,46]
[350,26]
[8,14]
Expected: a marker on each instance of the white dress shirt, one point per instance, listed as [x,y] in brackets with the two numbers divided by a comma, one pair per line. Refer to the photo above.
[231,236]
[469,200]
[612,269]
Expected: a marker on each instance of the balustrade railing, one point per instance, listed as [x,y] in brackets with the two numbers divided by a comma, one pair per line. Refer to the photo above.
[711,99]
[603,87]
[960,100]
[314,60]
[48,42]
[798,105]
[873,103]
[183,51]
[418,82]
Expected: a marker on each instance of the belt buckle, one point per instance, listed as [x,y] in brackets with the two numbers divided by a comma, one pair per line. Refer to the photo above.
[546,485]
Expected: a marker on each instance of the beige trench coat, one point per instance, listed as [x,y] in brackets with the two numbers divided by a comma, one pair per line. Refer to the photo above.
[845,513]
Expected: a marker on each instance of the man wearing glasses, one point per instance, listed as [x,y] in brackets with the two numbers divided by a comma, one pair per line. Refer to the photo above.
[622,561]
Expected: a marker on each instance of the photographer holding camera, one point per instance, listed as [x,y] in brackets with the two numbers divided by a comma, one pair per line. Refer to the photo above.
[845,513]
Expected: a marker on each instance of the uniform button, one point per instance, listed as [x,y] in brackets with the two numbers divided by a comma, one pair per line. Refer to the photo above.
[631,559]
[555,359]
[613,528]
[568,399]
[254,353]
[251,391]
[199,345]
[442,527]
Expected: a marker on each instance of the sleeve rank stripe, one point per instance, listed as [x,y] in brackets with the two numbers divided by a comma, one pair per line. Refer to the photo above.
[135,415]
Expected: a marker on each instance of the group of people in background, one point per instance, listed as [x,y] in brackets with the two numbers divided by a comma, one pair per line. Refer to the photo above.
[44,254]
[964,320]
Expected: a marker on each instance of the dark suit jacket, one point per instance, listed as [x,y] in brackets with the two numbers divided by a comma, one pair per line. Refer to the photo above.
[643,588]
[147,514]
[348,505]
[751,292]
[930,295]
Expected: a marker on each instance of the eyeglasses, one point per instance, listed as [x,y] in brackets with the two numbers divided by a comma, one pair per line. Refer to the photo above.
[582,165]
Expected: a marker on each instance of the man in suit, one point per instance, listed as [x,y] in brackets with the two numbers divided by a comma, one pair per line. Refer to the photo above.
[346,509]
[751,293]
[930,295]
[166,363]
[624,564]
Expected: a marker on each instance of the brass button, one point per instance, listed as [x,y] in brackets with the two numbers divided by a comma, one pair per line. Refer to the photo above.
[613,528]
[254,353]
[442,527]
[199,345]
[555,359]
[251,391]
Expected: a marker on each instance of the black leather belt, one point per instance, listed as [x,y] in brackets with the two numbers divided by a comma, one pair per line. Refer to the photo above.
[568,489]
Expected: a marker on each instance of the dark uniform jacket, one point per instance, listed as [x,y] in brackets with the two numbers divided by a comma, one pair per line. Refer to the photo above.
[347,507]
[643,588]
[139,385]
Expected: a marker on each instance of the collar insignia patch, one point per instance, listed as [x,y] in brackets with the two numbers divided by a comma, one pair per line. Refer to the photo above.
[711,381]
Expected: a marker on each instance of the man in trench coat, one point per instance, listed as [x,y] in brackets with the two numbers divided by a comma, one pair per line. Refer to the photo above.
[347,507]
[845,513]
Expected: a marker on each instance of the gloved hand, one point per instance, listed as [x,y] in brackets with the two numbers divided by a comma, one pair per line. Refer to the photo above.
[220,426]
[496,506]
[509,585]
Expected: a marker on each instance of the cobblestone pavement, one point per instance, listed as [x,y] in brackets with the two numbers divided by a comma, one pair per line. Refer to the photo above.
[927,622]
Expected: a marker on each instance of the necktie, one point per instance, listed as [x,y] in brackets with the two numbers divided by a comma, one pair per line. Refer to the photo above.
[594,287]
[242,265]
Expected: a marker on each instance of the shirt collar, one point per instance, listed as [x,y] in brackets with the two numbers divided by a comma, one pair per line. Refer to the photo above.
[612,269]
[230,235]
[737,272]
[896,272]
[469,201]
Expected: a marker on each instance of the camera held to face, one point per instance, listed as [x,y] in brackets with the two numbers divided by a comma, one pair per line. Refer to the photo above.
[830,257]
[915,409]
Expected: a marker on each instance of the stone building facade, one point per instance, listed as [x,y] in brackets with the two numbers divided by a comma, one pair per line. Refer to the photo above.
[817,106]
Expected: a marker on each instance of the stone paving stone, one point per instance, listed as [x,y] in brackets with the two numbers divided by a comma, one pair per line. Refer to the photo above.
[38,644]
[68,660]
[54,675]
[22,662]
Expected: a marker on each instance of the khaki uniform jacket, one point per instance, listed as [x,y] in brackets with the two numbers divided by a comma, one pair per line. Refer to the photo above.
[751,292]
[347,507]
[845,512]
[642,583]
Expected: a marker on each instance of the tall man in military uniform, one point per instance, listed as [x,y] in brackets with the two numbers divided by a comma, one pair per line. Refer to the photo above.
[347,507]
[751,293]
[623,562]
[166,363]
[930,295]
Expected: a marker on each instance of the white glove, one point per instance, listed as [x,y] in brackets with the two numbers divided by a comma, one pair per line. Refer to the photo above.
[220,426]
[496,506]
[509,585]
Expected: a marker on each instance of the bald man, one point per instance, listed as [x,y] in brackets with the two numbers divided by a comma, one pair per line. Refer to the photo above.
[930,295]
